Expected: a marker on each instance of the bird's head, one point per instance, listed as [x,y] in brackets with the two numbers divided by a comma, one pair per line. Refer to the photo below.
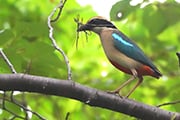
[96,24]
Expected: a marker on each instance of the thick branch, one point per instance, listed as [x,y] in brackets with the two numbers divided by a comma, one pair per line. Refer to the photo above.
[90,96]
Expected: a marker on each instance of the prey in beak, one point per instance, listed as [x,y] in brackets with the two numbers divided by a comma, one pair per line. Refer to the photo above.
[84,27]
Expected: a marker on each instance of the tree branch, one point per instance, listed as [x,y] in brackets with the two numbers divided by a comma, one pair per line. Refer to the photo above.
[90,96]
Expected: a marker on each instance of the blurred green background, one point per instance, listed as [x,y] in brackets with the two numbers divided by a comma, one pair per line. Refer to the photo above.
[155,27]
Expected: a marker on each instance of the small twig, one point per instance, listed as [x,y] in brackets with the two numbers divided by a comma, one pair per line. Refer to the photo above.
[169,103]
[7,61]
[25,108]
[67,116]
[4,107]
[178,55]
[60,6]
[24,103]
[28,67]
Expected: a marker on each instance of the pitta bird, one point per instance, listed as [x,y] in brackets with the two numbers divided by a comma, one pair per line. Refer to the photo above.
[122,52]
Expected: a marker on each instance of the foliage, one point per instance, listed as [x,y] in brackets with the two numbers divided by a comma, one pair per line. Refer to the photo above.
[24,38]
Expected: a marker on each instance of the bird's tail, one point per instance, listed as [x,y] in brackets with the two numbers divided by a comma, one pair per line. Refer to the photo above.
[157,73]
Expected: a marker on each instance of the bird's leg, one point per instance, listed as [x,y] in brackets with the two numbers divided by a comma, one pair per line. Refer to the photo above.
[137,84]
[134,72]
[123,85]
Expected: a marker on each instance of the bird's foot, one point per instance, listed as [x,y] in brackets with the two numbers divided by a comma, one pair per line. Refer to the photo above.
[113,92]
[116,92]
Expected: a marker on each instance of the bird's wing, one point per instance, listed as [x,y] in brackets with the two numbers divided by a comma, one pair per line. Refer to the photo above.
[130,49]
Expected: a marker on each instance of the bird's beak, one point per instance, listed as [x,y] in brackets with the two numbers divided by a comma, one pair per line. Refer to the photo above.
[84,27]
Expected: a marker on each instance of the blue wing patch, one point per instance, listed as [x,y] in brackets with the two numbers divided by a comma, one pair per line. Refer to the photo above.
[120,39]
[130,49]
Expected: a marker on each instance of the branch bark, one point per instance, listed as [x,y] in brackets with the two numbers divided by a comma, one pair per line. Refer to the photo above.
[87,95]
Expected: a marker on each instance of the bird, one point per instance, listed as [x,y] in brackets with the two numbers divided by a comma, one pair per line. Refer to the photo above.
[123,53]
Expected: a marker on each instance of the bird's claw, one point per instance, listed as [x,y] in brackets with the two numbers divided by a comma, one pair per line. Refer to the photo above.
[115,92]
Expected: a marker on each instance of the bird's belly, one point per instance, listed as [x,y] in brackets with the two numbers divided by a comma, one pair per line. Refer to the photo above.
[114,55]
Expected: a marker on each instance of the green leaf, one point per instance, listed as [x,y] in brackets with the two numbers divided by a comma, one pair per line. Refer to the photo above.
[154,19]
[122,7]
[5,36]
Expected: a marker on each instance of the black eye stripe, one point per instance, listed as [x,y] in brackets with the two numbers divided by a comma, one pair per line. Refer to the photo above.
[101,23]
